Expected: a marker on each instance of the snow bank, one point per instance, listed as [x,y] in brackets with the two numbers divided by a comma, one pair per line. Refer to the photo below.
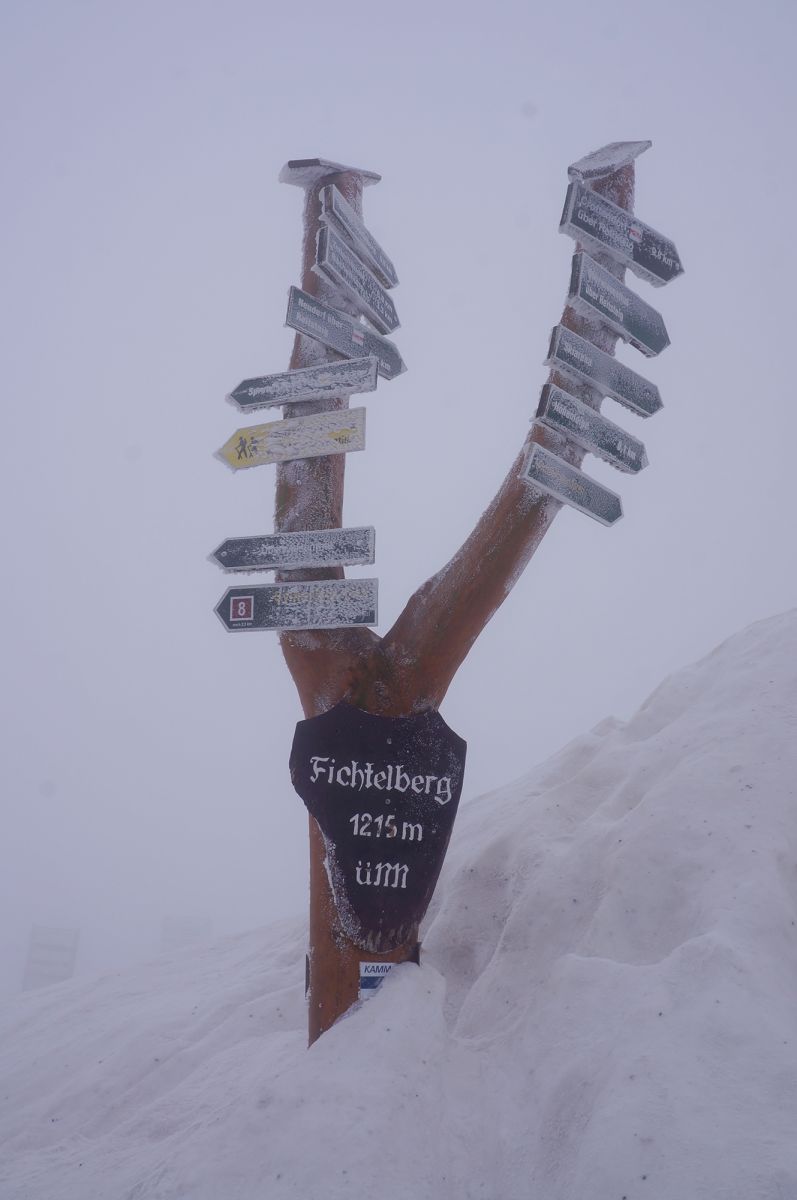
[606,1007]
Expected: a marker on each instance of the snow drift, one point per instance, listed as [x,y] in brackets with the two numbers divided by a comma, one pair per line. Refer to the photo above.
[605,1011]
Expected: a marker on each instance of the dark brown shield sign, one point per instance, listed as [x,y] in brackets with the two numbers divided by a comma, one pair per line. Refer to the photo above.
[384,791]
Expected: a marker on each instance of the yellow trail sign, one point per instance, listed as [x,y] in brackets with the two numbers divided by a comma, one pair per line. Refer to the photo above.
[296,437]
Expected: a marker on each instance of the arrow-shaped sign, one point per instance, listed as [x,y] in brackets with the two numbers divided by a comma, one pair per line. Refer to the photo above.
[577,357]
[296,551]
[590,429]
[592,219]
[595,291]
[341,266]
[307,383]
[297,437]
[341,332]
[338,212]
[548,473]
[326,604]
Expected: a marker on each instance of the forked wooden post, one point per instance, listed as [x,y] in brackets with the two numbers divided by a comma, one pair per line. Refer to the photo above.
[410,668]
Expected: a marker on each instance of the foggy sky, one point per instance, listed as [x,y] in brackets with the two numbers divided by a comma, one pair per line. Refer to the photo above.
[147,250]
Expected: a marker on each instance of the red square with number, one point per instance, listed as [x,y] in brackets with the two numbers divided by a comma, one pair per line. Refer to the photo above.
[242,608]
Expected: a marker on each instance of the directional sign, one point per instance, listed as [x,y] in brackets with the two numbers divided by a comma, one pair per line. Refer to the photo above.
[306,383]
[607,160]
[592,219]
[384,791]
[577,357]
[338,212]
[341,332]
[297,437]
[590,429]
[340,264]
[295,551]
[548,473]
[595,291]
[325,604]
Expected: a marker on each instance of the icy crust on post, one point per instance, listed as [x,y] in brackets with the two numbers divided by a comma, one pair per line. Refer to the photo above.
[305,172]
[326,381]
[607,160]
[384,792]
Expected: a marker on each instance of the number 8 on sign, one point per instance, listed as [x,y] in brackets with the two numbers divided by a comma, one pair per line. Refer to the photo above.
[242,608]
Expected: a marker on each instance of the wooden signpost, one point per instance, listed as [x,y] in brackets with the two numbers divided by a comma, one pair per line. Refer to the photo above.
[373,761]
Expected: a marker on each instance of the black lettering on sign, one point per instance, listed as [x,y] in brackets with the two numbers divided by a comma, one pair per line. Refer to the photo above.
[384,791]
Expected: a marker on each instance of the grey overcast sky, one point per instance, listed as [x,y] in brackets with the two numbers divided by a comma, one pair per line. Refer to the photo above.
[147,249]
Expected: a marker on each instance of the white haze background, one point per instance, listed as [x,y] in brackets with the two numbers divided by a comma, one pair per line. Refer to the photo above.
[147,250]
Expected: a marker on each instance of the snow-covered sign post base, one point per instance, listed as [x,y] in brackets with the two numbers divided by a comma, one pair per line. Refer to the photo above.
[378,768]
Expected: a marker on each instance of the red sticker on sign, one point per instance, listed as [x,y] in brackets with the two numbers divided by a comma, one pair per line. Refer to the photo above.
[242,608]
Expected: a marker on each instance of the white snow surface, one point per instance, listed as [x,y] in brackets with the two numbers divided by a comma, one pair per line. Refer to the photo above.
[606,1006]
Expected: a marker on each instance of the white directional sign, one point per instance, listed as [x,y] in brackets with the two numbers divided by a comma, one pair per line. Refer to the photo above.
[548,473]
[306,383]
[296,551]
[338,212]
[339,264]
[297,437]
[579,358]
[592,219]
[325,604]
[594,291]
[341,332]
[589,429]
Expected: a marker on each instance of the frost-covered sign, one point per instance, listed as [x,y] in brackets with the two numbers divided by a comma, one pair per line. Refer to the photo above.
[338,212]
[589,429]
[548,473]
[584,361]
[338,263]
[594,220]
[334,432]
[384,791]
[308,548]
[325,604]
[341,332]
[594,291]
[306,383]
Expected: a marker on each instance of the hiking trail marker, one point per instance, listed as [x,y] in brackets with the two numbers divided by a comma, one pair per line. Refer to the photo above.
[295,437]
[309,549]
[323,604]
[341,332]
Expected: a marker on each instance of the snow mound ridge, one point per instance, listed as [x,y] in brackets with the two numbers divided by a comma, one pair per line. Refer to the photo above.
[605,1010]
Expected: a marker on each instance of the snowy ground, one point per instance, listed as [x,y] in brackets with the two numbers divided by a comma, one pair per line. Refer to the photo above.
[606,1007]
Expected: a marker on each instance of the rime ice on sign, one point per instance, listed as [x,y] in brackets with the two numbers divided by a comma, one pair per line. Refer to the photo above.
[340,332]
[384,791]
[322,433]
[593,219]
[325,381]
[306,549]
[339,213]
[323,604]
[341,266]
[594,291]
[589,429]
[582,359]
[548,473]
